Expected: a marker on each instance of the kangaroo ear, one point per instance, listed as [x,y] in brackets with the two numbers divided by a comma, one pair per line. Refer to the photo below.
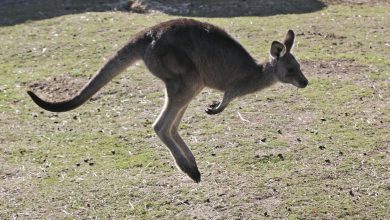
[277,50]
[289,40]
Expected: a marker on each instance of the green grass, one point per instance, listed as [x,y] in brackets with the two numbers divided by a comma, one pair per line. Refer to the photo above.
[329,160]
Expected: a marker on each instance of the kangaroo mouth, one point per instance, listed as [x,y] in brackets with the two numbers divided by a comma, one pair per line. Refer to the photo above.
[300,84]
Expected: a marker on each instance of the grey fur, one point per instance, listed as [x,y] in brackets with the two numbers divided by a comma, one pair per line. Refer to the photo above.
[187,56]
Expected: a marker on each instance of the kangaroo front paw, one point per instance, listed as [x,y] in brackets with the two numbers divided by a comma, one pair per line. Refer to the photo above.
[213,109]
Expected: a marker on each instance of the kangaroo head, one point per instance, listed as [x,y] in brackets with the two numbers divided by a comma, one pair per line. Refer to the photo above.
[287,68]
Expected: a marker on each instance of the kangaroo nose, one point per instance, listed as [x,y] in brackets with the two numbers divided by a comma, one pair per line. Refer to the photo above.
[304,83]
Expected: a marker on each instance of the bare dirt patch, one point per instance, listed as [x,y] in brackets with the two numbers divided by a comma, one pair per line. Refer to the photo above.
[58,88]
[335,68]
[344,72]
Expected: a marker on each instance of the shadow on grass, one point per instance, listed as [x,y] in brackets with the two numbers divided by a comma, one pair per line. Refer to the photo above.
[14,12]
[229,8]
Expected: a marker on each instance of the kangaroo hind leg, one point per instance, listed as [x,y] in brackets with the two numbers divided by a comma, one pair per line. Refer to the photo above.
[182,83]
[177,98]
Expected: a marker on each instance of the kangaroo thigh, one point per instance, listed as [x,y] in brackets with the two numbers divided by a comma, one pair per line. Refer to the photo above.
[177,61]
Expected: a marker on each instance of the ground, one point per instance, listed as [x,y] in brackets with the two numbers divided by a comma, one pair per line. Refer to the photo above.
[316,153]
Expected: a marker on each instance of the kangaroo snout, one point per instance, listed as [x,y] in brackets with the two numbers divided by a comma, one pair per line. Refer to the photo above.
[303,83]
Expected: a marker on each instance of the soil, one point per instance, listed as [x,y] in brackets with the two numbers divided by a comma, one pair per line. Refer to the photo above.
[58,88]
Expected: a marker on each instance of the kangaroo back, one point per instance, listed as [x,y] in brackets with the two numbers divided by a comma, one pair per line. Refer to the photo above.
[122,59]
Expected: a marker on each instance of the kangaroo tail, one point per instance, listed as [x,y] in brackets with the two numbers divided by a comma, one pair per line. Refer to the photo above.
[123,58]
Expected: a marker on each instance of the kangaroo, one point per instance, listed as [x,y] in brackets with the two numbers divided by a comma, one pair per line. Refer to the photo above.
[188,55]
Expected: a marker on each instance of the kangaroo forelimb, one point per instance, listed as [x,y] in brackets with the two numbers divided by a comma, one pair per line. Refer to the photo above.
[218,107]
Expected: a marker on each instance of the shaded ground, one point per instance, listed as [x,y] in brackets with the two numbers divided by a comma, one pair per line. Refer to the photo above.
[220,8]
[29,10]
[233,8]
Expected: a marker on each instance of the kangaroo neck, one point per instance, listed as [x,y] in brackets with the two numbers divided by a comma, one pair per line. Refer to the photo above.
[269,68]
[267,76]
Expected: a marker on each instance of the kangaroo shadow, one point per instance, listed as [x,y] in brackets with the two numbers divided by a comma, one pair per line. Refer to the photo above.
[14,12]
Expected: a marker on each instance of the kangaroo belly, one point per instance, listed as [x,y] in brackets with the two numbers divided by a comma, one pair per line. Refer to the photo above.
[221,72]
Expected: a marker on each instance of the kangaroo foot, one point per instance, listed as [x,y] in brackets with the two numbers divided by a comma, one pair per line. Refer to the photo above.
[190,169]
[193,173]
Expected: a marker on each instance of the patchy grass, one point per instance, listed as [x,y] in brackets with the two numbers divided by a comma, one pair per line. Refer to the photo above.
[320,152]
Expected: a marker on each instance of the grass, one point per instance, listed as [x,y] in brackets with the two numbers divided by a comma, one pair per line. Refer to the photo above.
[321,152]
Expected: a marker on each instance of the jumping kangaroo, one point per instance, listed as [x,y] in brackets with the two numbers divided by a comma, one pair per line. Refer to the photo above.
[188,55]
